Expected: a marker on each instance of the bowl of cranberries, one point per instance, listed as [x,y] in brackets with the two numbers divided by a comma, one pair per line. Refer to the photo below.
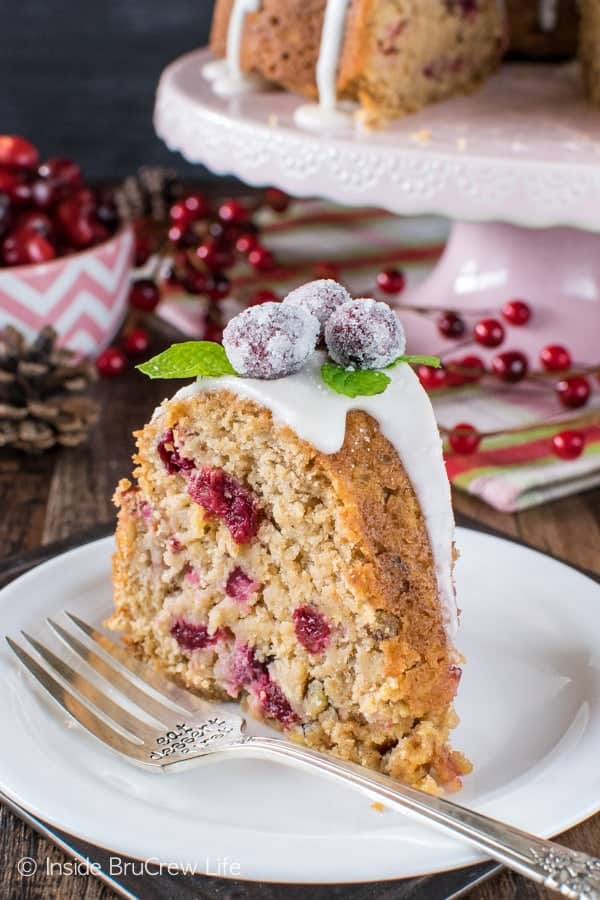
[65,255]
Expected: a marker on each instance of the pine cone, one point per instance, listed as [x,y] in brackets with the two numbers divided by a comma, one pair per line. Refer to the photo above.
[41,400]
[149,194]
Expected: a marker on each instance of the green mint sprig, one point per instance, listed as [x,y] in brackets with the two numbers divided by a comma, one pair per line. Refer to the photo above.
[189,359]
[367,382]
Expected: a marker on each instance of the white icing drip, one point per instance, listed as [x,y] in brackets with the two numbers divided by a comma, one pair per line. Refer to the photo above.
[325,113]
[227,77]
[547,14]
[318,415]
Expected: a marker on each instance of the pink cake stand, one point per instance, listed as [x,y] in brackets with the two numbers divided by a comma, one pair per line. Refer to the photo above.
[516,165]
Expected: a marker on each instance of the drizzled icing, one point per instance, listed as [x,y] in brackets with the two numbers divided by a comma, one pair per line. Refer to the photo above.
[318,415]
[227,77]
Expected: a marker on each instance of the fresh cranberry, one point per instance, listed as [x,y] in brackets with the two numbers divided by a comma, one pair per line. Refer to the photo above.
[240,586]
[477,366]
[5,213]
[264,296]
[107,213]
[516,312]
[74,216]
[464,438]
[195,281]
[111,362]
[568,444]
[35,221]
[191,209]
[38,248]
[312,629]
[232,211]
[247,242]
[573,392]
[261,259]
[511,366]
[44,193]
[136,342]
[225,497]
[391,281]
[276,199]
[275,705]
[215,255]
[451,325]
[17,152]
[144,295]
[63,172]
[14,251]
[432,379]
[170,456]
[218,286]
[555,358]
[489,332]
[196,637]
[324,270]
[13,184]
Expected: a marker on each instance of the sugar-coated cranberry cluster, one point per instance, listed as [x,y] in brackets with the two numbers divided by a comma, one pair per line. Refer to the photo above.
[46,210]
[273,340]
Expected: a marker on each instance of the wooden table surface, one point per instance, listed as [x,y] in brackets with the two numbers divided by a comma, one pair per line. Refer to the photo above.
[60,493]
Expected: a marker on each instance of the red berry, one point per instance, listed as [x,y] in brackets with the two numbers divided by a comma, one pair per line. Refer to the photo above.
[464,438]
[111,362]
[214,255]
[276,199]
[38,248]
[516,312]
[15,186]
[476,364]
[213,332]
[64,174]
[573,392]
[14,252]
[555,358]
[264,296]
[391,281]
[261,259]
[218,286]
[326,270]
[489,332]
[432,378]
[144,295]
[136,342]
[32,220]
[232,211]
[450,325]
[191,209]
[511,366]
[17,152]
[195,281]
[247,242]
[568,444]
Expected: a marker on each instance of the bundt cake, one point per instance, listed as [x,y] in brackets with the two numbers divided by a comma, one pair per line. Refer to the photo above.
[287,540]
[390,56]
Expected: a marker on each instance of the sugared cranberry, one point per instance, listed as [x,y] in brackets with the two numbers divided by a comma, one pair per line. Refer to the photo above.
[312,629]
[225,497]
[170,456]
[450,325]
[464,438]
[489,332]
[239,586]
[511,366]
[275,705]
[215,255]
[191,209]
[17,152]
[271,340]
[568,444]
[516,312]
[144,295]
[475,364]
[111,362]
[232,211]
[264,296]
[192,637]
[391,281]
[247,242]
[218,286]
[321,298]
[555,358]
[276,199]
[136,342]
[573,392]
[261,259]
[365,334]
[431,378]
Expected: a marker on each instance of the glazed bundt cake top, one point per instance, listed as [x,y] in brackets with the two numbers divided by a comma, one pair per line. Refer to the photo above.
[269,357]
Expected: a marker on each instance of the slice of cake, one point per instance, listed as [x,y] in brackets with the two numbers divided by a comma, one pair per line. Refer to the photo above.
[288,538]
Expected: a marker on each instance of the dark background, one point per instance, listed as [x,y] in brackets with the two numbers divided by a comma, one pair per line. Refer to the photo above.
[78,77]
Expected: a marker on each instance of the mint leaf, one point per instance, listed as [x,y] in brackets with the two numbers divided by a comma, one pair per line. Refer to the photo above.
[433,361]
[188,360]
[354,383]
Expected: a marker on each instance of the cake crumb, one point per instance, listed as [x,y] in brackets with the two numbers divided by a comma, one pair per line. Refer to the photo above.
[377,806]
[423,136]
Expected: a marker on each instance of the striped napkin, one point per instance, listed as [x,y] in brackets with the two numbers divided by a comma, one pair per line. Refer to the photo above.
[511,471]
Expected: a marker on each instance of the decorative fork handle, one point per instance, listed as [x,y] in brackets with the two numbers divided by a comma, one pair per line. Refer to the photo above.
[569,872]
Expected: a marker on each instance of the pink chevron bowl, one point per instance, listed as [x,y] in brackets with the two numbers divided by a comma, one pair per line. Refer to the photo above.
[83,296]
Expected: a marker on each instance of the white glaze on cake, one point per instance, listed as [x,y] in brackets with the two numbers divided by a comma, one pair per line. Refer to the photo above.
[326,114]
[318,415]
[228,79]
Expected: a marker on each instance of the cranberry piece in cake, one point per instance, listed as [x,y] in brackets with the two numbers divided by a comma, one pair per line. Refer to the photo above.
[245,669]
[169,454]
[228,499]
[364,334]
[240,586]
[312,629]
[275,705]
[195,637]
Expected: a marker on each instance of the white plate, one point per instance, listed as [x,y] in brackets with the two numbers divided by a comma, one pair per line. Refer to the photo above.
[530,707]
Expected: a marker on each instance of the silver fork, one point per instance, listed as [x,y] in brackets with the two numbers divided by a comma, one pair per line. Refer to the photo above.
[173,729]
